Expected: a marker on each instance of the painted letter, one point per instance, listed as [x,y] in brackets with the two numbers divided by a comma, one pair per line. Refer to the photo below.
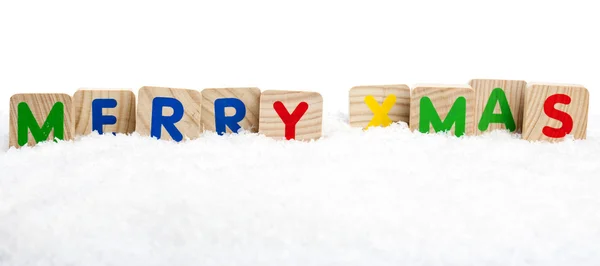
[221,121]
[380,112]
[158,120]
[456,116]
[290,120]
[505,117]
[550,111]
[26,121]
[99,120]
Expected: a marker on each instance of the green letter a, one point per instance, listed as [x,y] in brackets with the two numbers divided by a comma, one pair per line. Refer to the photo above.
[505,117]
[457,116]
[26,121]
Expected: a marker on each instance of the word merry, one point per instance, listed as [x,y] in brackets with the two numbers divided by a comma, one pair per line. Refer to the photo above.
[538,111]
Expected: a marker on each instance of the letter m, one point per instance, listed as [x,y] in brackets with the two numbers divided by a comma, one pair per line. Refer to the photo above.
[26,122]
[456,117]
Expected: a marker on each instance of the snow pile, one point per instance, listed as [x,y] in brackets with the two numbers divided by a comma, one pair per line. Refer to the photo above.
[382,197]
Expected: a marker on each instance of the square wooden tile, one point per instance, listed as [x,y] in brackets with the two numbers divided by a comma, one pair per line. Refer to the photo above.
[189,124]
[493,92]
[555,110]
[443,98]
[39,106]
[250,97]
[361,114]
[117,103]
[308,127]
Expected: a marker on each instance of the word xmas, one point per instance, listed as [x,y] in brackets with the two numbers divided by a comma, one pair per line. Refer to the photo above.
[539,111]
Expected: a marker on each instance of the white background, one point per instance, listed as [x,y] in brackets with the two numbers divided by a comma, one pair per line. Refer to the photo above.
[324,46]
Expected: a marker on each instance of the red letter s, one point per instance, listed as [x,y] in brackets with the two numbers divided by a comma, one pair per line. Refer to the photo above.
[566,119]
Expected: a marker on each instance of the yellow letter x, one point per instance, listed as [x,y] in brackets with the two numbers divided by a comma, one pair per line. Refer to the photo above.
[380,112]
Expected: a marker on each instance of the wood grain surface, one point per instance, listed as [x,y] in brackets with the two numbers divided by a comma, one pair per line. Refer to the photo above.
[124,111]
[40,105]
[189,125]
[310,125]
[361,115]
[515,94]
[249,96]
[443,97]
[535,119]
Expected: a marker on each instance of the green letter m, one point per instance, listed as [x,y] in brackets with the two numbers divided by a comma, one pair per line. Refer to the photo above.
[26,121]
[456,116]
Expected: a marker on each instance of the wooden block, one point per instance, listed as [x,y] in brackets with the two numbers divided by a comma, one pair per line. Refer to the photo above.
[487,93]
[304,107]
[363,115]
[554,110]
[124,111]
[40,117]
[250,97]
[444,98]
[185,123]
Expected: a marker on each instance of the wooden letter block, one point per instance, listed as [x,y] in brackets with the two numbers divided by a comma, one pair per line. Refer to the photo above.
[104,111]
[230,109]
[440,108]
[169,114]
[379,105]
[291,114]
[498,104]
[553,111]
[40,117]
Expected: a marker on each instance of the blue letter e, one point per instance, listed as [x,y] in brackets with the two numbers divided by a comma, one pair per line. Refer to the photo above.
[99,120]
[231,121]
[158,120]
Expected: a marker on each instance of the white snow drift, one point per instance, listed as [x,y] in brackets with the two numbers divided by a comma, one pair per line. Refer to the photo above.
[382,197]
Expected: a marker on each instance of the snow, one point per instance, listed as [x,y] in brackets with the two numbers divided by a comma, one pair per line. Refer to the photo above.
[386,196]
